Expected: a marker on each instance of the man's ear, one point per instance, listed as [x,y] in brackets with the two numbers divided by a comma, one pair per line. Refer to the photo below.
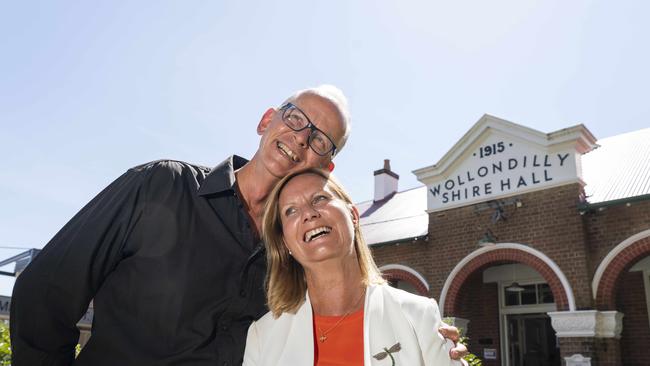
[267,117]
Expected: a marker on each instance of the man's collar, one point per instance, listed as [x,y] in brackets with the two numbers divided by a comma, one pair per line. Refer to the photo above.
[222,177]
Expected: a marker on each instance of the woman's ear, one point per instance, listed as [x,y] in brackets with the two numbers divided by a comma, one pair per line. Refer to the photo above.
[284,244]
[355,215]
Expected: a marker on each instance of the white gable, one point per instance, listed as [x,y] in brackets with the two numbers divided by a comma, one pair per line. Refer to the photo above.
[497,158]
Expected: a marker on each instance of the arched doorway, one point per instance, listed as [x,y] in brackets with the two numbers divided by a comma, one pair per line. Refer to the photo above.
[622,283]
[516,286]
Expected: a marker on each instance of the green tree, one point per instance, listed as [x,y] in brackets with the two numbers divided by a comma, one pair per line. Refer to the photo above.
[5,345]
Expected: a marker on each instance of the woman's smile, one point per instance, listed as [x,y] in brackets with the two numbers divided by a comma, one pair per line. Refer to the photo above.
[316,223]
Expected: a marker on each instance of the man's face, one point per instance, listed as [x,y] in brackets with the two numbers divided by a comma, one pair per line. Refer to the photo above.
[283,150]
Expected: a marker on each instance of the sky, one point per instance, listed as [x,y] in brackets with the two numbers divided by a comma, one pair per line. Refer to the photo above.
[89,89]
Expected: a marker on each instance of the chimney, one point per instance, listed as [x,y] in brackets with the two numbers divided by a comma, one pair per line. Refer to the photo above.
[385,182]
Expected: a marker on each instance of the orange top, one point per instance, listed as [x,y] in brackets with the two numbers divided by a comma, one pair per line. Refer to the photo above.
[343,345]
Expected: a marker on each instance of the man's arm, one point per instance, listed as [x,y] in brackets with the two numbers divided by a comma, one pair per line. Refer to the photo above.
[54,291]
[435,348]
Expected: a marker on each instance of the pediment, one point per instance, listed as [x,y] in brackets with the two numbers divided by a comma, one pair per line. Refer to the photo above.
[497,158]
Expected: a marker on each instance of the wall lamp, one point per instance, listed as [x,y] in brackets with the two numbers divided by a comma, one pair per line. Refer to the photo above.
[487,239]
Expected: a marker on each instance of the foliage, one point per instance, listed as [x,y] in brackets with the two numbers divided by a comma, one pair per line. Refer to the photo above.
[5,345]
[472,360]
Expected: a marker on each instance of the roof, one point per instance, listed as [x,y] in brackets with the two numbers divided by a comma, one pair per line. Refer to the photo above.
[398,217]
[619,168]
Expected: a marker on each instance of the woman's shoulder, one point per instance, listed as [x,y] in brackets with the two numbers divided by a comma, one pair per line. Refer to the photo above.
[268,321]
[410,302]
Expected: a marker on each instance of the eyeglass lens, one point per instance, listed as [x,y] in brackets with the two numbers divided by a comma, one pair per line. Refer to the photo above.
[297,121]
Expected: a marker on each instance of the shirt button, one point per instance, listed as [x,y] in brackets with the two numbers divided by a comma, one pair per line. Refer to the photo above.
[225,363]
[242,293]
[224,328]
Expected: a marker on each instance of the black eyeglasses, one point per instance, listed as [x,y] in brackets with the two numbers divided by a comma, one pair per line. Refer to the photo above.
[297,120]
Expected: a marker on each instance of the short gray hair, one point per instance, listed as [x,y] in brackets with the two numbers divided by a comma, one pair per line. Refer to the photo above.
[335,96]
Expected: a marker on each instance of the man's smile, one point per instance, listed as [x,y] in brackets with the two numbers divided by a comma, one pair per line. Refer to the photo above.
[288,152]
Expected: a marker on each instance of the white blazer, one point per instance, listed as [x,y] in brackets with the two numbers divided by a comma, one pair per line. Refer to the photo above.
[390,316]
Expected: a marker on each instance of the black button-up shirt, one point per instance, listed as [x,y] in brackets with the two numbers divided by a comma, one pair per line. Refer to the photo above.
[168,255]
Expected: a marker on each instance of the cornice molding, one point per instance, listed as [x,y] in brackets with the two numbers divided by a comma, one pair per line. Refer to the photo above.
[587,323]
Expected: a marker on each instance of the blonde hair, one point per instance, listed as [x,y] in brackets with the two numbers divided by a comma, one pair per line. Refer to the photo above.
[285,279]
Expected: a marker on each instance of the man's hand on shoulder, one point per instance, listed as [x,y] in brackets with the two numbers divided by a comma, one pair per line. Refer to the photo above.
[459,350]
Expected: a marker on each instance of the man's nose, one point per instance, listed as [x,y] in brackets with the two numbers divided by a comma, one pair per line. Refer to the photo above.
[302,137]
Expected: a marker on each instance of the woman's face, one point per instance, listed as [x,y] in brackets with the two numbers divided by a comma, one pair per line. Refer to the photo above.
[316,224]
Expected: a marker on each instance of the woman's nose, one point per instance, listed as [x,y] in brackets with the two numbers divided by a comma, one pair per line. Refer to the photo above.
[310,213]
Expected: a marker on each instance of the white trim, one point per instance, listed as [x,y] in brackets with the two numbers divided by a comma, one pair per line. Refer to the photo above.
[523,309]
[613,254]
[504,339]
[578,136]
[577,359]
[405,269]
[543,257]
[587,323]
[583,323]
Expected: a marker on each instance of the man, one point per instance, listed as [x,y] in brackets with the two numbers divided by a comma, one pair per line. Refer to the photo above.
[170,253]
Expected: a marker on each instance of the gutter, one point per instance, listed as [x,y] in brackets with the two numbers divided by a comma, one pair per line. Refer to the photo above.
[586,207]
[400,241]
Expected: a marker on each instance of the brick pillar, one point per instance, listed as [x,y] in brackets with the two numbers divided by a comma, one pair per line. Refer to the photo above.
[609,352]
[590,333]
[602,351]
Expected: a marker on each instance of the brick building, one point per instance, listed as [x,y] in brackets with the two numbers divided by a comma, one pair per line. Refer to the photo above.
[538,245]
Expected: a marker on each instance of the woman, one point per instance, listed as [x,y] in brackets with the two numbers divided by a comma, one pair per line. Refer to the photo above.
[329,304]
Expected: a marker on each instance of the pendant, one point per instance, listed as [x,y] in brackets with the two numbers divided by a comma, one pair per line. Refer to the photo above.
[322,338]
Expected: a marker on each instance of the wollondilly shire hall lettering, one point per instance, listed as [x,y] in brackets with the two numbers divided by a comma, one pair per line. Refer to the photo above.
[530,170]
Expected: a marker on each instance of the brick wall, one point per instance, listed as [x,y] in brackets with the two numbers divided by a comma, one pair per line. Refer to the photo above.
[479,304]
[585,346]
[608,352]
[636,329]
[550,222]
[416,255]
[608,228]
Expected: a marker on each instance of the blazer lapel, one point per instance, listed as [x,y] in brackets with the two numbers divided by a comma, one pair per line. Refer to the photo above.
[299,343]
[384,326]
[377,332]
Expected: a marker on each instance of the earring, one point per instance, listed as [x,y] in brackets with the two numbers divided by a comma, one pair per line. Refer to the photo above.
[290,252]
